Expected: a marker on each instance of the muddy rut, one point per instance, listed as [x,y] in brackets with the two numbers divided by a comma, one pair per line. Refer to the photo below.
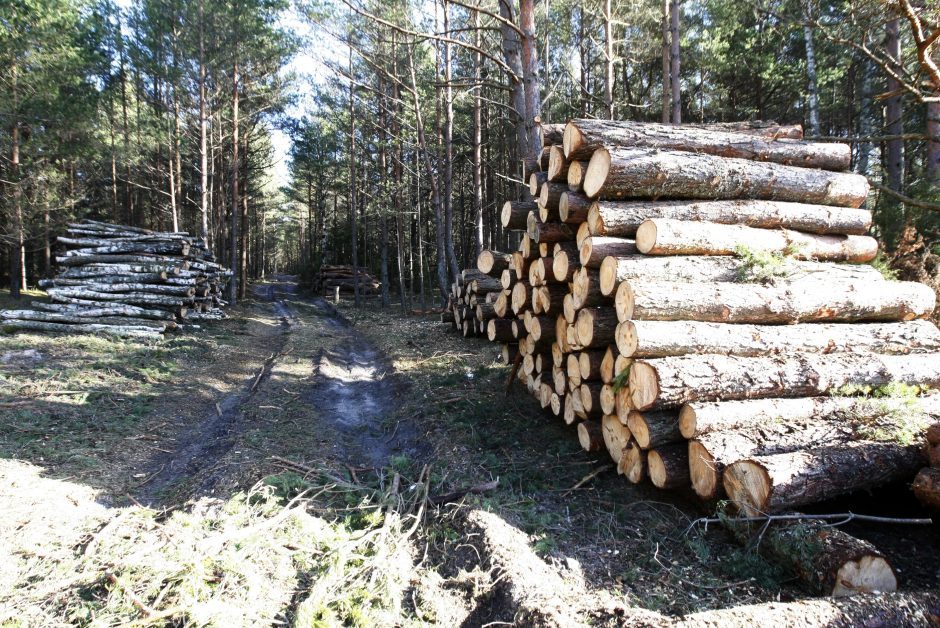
[353,389]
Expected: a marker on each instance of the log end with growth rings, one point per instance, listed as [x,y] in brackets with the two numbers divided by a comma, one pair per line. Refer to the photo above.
[868,574]
[597,171]
[646,236]
[687,421]
[703,472]
[644,385]
[748,485]
[626,337]
[624,301]
[608,276]
[571,140]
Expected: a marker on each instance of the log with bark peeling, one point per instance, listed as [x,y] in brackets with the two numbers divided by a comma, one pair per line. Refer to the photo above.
[646,173]
[583,137]
[783,302]
[829,560]
[662,236]
[657,339]
[673,381]
[614,270]
[622,219]
[768,484]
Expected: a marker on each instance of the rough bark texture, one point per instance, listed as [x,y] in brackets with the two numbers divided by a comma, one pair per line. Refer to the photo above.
[493,263]
[616,436]
[573,207]
[657,339]
[768,484]
[583,137]
[622,219]
[596,327]
[640,172]
[810,301]
[653,429]
[596,248]
[699,418]
[721,269]
[671,382]
[669,466]
[662,236]
[514,214]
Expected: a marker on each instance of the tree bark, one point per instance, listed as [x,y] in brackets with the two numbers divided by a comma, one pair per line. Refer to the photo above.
[596,327]
[809,301]
[530,62]
[615,270]
[674,77]
[596,249]
[584,137]
[673,381]
[515,214]
[512,55]
[654,428]
[667,81]
[622,219]
[669,466]
[657,339]
[812,96]
[699,418]
[573,208]
[639,172]
[894,112]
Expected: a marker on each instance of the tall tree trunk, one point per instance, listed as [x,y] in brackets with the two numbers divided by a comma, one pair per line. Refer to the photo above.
[583,59]
[894,112]
[203,134]
[932,169]
[449,149]
[530,78]
[512,57]
[477,137]
[244,228]
[128,194]
[812,96]
[435,192]
[674,64]
[609,59]
[353,230]
[233,219]
[866,115]
[16,248]
[667,80]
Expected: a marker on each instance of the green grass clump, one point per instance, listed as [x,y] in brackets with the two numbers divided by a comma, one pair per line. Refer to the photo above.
[880,263]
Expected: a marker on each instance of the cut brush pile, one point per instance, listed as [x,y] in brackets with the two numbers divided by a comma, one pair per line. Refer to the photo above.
[698,301]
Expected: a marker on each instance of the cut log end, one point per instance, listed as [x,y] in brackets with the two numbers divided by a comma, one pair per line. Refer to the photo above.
[748,485]
[687,421]
[590,436]
[608,276]
[702,471]
[571,140]
[597,171]
[646,236]
[626,338]
[644,385]
[867,574]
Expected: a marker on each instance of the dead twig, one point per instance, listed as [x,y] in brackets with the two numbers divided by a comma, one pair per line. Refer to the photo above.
[590,476]
[839,518]
[512,373]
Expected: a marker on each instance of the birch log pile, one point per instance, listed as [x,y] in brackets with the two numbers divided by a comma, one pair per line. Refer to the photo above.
[698,301]
[127,282]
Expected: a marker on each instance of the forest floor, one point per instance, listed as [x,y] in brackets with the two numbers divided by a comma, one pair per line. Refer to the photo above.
[304,464]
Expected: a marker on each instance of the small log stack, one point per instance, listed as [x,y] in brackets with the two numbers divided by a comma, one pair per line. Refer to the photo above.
[698,301]
[344,278]
[127,282]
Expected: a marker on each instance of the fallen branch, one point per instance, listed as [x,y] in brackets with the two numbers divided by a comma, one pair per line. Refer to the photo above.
[590,476]
[840,518]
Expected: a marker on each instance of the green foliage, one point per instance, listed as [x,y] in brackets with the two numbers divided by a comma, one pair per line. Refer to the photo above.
[760,266]
[880,263]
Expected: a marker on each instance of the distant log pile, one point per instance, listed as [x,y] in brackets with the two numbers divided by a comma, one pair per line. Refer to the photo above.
[126,282]
[344,278]
[697,300]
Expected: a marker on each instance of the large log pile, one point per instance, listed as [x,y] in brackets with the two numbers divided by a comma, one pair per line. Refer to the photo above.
[698,302]
[126,282]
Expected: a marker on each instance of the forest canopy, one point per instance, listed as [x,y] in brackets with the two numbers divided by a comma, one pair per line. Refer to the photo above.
[415,124]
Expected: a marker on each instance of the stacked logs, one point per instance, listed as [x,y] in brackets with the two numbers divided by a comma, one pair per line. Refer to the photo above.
[926,485]
[127,282]
[698,302]
[344,278]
